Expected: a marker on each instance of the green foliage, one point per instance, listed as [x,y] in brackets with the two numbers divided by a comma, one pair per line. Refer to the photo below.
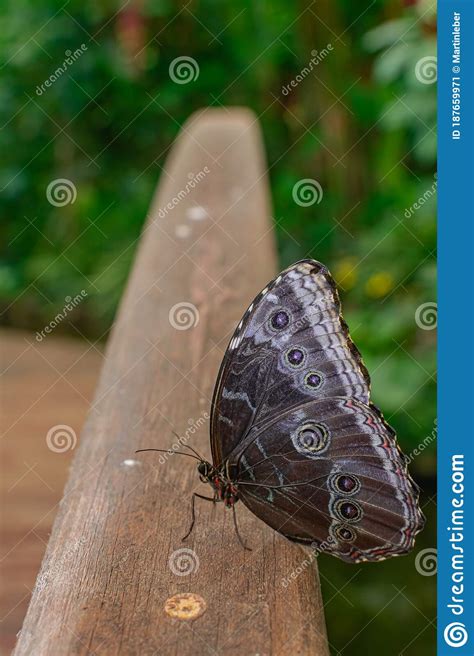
[407,61]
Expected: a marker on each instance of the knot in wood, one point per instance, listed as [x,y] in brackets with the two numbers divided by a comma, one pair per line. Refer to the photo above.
[185,606]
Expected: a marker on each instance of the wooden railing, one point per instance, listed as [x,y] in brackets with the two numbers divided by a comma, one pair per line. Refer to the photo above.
[113,564]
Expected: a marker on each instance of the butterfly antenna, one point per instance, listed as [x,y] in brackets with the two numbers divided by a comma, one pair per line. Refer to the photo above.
[185,446]
[179,453]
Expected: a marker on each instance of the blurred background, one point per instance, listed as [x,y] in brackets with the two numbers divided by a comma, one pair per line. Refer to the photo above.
[346,97]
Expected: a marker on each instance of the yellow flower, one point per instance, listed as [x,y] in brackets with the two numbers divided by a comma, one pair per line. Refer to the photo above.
[379,284]
[345,273]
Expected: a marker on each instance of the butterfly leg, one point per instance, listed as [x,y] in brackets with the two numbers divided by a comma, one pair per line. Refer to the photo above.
[237,530]
[193,512]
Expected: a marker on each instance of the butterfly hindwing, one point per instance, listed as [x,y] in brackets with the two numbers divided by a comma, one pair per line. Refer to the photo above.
[330,473]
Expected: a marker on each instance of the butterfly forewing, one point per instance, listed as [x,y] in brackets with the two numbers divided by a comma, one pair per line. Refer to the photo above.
[312,457]
[271,364]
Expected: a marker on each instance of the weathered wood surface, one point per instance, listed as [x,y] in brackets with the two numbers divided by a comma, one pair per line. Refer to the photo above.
[43,384]
[109,568]
[34,398]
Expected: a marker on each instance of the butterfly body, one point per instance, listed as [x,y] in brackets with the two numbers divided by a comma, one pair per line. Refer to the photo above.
[219,478]
[294,433]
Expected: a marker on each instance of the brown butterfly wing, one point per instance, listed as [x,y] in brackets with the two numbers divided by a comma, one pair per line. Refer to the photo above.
[330,473]
[257,380]
[290,363]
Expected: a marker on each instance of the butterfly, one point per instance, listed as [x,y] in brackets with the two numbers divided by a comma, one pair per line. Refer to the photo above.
[294,434]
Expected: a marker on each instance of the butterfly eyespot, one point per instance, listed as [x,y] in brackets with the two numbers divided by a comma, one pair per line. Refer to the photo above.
[295,357]
[348,511]
[313,380]
[344,533]
[311,439]
[345,484]
[280,320]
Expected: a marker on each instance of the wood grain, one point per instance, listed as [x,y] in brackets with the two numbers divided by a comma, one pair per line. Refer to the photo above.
[111,563]
[43,384]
